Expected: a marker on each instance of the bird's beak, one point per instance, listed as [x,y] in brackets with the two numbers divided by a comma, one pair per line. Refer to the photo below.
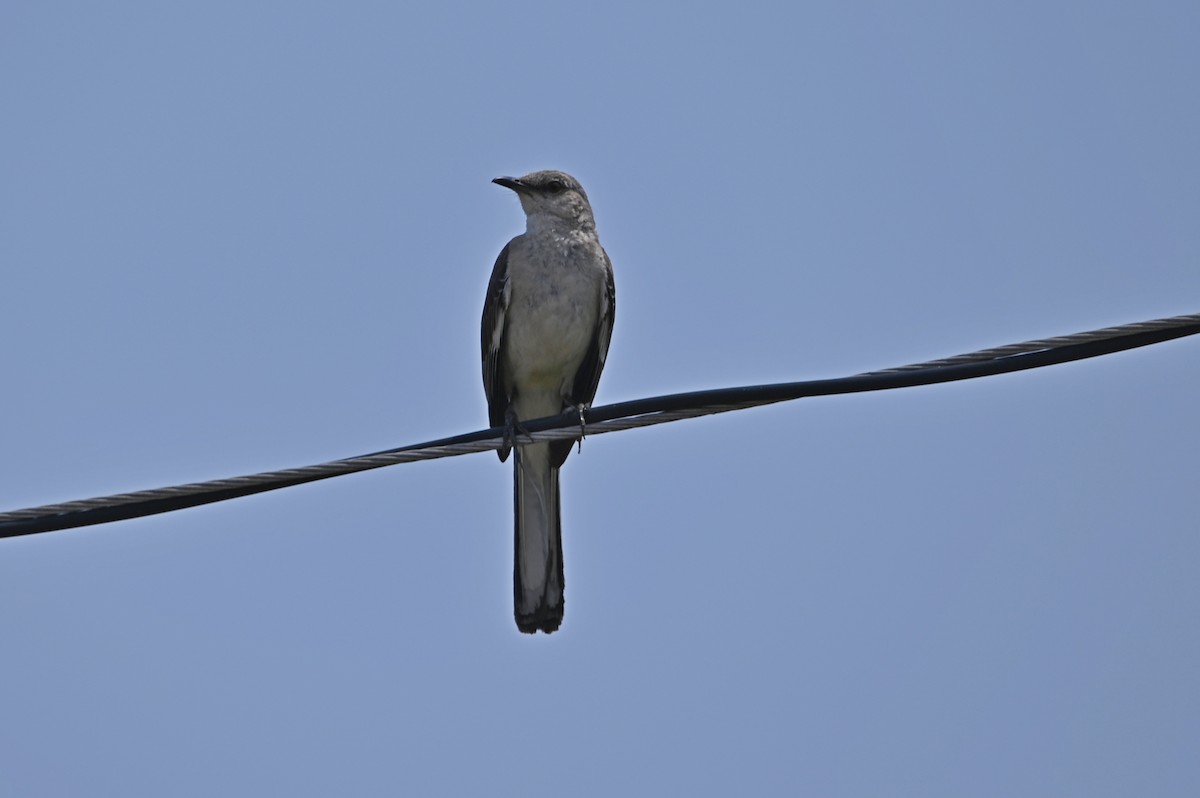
[510,182]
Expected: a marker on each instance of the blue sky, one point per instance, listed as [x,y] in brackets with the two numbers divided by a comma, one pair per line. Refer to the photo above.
[238,237]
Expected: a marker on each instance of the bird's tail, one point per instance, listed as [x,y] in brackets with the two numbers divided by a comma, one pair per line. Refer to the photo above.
[538,567]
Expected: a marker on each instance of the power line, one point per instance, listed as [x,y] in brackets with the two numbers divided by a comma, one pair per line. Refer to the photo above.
[610,418]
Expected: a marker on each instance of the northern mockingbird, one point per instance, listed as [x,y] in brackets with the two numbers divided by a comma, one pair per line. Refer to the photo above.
[546,326]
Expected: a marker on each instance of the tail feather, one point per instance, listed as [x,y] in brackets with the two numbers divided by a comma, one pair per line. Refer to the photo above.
[538,562]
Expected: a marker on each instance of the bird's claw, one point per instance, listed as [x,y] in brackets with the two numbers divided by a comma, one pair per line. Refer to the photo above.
[582,409]
[513,426]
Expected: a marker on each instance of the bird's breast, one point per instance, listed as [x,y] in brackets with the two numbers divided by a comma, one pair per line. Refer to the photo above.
[553,312]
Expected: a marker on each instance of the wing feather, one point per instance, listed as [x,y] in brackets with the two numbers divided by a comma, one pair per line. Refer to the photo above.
[495,309]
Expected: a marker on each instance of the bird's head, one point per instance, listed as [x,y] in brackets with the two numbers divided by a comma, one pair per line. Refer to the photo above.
[551,198]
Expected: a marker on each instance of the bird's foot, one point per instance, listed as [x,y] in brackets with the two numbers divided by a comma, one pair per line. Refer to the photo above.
[513,427]
[582,409]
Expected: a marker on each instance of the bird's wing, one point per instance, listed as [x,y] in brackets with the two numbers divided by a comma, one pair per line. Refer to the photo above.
[495,308]
[588,376]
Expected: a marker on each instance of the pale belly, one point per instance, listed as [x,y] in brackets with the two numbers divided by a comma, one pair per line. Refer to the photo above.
[547,337]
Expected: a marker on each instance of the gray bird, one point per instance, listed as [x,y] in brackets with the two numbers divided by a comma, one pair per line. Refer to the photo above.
[547,322]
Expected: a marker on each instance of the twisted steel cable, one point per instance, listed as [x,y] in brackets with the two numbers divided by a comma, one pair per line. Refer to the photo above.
[609,418]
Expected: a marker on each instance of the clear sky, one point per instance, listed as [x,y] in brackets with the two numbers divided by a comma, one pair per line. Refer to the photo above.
[244,236]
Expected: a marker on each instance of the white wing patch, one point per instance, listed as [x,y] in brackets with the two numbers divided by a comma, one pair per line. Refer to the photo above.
[501,310]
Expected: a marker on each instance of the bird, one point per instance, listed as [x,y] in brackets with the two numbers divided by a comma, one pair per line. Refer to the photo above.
[547,323]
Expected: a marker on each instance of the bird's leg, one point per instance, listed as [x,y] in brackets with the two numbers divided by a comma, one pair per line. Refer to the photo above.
[582,409]
[512,426]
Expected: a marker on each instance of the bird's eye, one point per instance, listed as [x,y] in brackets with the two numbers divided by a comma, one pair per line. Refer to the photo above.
[556,186]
